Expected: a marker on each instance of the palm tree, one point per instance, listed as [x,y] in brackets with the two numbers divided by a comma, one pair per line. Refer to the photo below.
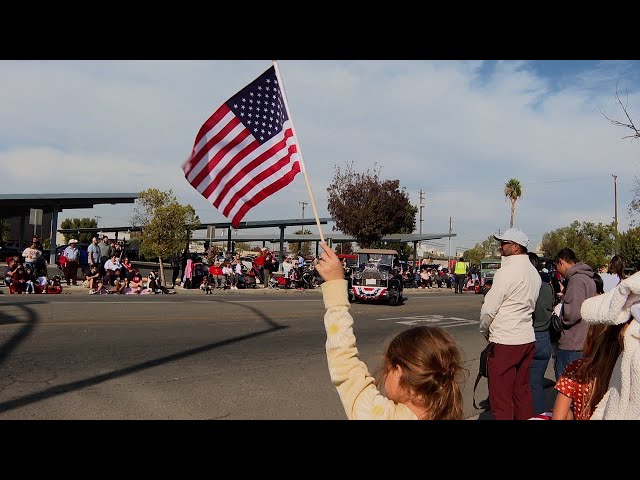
[513,191]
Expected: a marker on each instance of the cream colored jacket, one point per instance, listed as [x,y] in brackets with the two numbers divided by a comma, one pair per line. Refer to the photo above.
[356,386]
[506,314]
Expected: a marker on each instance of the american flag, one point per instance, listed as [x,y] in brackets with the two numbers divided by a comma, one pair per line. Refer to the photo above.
[246,150]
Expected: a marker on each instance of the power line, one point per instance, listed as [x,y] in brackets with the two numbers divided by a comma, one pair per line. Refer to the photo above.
[490,187]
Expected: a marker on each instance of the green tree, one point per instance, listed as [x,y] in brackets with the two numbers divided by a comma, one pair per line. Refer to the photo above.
[4,230]
[629,246]
[593,244]
[166,225]
[367,207]
[304,247]
[404,249]
[85,222]
[344,247]
[512,192]
[487,249]
[242,246]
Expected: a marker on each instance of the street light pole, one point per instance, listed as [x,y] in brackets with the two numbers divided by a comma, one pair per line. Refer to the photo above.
[449,264]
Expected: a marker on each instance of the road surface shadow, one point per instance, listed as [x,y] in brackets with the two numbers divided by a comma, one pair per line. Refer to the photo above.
[10,345]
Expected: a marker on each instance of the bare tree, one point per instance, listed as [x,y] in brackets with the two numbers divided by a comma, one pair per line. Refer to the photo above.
[634,205]
[617,123]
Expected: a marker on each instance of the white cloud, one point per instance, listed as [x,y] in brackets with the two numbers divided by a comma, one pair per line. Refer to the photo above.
[457,130]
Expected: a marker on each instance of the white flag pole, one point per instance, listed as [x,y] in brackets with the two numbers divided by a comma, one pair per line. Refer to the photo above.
[304,169]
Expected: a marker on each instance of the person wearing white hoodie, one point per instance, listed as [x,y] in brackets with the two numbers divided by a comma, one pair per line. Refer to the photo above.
[617,306]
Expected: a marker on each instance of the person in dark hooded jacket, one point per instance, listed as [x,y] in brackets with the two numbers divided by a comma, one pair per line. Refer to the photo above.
[579,285]
[541,324]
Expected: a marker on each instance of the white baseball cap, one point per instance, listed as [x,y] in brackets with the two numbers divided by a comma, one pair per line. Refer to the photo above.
[73,240]
[514,235]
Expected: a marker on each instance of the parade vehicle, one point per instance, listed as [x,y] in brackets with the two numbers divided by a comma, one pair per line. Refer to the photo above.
[377,277]
[488,268]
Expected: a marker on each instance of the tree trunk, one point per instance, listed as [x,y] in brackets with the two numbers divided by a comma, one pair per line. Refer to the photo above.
[162,282]
[513,212]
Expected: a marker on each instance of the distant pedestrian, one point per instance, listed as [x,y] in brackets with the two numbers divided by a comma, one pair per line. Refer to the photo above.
[460,274]
[175,267]
[31,254]
[93,254]
[105,251]
[72,256]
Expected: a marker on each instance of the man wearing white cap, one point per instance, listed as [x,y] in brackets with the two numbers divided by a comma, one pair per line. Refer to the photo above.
[72,255]
[506,321]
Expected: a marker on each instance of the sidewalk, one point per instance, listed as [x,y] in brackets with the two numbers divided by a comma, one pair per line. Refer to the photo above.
[80,290]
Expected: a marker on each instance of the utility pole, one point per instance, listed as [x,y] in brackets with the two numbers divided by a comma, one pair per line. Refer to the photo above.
[421,204]
[303,205]
[615,199]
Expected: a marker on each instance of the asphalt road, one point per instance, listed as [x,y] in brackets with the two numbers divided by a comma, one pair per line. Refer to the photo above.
[223,356]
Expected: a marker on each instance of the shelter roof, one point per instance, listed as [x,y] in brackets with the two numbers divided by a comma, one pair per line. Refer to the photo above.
[15,205]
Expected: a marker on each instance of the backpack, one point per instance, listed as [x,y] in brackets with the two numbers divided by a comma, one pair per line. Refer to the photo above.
[483,369]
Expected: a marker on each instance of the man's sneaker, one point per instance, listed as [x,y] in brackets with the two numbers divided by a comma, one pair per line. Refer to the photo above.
[92,292]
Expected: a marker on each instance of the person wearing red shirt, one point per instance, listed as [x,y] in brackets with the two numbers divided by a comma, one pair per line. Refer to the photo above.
[259,263]
[215,271]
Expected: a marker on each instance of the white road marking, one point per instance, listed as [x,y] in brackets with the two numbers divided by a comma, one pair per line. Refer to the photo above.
[437,320]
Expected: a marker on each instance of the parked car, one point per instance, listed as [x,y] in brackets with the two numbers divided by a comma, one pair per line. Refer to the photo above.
[377,277]
[7,251]
[247,261]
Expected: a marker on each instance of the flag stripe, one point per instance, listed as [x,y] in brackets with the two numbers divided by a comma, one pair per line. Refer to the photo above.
[216,158]
[220,143]
[208,130]
[254,182]
[242,169]
[273,188]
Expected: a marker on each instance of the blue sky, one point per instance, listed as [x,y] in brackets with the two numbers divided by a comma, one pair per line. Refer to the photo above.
[458,130]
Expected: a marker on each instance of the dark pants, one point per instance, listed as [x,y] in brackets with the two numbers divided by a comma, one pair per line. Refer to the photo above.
[71,271]
[509,391]
[176,274]
[537,370]
[564,358]
[460,281]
